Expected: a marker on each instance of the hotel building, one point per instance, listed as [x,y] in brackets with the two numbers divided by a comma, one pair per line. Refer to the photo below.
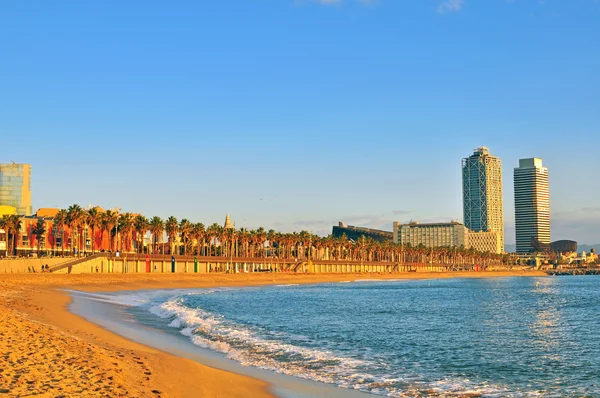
[15,187]
[431,235]
[452,234]
[482,196]
[532,206]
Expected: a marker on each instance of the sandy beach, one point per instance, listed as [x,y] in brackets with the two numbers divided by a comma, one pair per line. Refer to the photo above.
[46,350]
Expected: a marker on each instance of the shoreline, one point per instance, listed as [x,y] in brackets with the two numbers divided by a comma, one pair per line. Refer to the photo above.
[35,313]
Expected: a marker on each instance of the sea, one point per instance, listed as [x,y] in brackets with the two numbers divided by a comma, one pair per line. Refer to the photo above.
[480,337]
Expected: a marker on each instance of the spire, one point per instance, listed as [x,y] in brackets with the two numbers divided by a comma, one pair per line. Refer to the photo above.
[227,222]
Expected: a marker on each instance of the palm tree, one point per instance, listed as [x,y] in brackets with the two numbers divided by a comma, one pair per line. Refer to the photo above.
[108,223]
[5,223]
[93,220]
[172,228]
[60,221]
[141,226]
[198,233]
[39,230]
[212,232]
[261,237]
[11,223]
[228,237]
[75,221]
[157,226]
[244,238]
[126,225]
[271,237]
[185,228]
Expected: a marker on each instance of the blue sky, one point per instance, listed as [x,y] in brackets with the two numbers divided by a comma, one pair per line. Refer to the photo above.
[293,114]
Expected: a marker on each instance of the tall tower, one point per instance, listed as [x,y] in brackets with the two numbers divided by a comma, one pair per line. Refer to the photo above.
[15,187]
[482,193]
[532,206]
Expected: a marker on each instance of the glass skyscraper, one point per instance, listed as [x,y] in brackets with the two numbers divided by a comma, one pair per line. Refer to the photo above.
[482,193]
[532,206]
[15,187]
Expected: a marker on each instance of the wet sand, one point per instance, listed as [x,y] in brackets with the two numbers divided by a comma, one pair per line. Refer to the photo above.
[46,350]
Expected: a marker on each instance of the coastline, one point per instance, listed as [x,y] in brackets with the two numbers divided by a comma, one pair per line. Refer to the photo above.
[59,352]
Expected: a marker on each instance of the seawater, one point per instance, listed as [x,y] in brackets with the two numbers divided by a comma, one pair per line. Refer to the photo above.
[491,337]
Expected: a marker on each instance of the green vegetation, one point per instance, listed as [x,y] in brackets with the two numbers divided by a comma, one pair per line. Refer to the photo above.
[125,232]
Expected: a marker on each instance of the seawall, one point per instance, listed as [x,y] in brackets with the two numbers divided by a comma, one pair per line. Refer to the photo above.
[128,264]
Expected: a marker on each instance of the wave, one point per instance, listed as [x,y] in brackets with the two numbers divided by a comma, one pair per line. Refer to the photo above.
[263,349]
[276,351]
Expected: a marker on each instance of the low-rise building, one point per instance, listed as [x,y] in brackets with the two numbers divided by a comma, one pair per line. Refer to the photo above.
[431,235]
[355,233]
[451,234]
[62,239]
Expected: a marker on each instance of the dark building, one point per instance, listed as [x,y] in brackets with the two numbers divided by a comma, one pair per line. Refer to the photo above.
[356,232]
[563,246]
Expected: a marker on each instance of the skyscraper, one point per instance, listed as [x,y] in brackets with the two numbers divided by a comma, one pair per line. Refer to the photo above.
[532,206]
[482,194]
[15,187]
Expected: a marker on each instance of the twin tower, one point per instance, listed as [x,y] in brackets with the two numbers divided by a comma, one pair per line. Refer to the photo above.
[482,199]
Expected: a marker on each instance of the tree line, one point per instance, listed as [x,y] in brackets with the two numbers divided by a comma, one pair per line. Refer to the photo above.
[125,232]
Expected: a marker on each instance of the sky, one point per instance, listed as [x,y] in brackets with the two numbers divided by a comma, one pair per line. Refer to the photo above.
[297,114]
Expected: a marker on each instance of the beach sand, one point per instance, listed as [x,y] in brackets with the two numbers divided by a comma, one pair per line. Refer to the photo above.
[47,351]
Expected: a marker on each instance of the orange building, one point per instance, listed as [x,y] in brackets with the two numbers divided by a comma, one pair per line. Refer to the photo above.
[84,240]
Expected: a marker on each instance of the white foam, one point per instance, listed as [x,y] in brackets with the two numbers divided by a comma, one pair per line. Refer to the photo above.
[127,300]
[269,351]
[246,347]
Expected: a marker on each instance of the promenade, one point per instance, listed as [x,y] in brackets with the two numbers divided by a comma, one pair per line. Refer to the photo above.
[140,264]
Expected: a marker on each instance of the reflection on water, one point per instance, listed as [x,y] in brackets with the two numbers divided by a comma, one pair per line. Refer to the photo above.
[484,337]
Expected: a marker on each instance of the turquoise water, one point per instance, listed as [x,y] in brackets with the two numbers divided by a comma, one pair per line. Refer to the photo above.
[494,337]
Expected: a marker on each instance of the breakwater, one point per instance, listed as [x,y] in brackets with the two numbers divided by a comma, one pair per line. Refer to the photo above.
[574,271]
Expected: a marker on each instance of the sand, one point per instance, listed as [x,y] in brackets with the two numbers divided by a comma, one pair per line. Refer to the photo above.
[47,351]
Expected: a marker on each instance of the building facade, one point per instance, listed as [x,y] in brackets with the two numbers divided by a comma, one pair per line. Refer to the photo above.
[355,233]
[61,239]
[15,187]
[564,246]
[482,194]
[532,206]
[485,242]
[452,234]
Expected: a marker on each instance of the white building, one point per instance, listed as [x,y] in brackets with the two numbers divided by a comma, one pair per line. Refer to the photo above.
[452,234]
[431,235]
[532,205]
[482,193]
